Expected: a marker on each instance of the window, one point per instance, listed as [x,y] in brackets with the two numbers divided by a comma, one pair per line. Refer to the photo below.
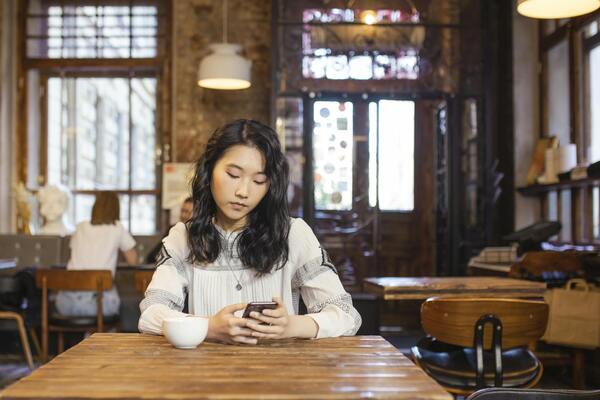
[593,58]
[391,146]
[101,136]
[591,48]
[97,69]
[331,36]
[93,30]
[332,150]
[391,155]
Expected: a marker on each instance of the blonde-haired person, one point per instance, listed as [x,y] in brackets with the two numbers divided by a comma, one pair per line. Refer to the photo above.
[96,245]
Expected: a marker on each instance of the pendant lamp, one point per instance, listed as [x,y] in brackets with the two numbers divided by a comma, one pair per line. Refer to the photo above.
[555,9]
[224,68]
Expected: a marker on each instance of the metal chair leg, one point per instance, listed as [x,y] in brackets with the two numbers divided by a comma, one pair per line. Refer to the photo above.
[36,342]
[25,342]
[22,335]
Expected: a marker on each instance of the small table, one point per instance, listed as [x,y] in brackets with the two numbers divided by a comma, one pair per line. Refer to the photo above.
[135,366]
[392,288]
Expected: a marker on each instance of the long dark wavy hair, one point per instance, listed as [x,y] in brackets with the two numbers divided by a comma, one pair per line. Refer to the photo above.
[263,243]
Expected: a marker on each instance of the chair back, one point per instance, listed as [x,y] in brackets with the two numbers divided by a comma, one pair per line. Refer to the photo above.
[62,279]
[142,280]
[452,320]
[534,394]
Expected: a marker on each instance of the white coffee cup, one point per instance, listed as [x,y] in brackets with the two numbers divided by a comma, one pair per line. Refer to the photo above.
[185,332]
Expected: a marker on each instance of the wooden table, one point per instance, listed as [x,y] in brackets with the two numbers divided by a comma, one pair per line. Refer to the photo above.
[134,366]
[391,288]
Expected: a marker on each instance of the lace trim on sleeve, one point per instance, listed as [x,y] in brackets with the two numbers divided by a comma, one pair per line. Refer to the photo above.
[164,256]
[159,296]
[344,303]
[313,268]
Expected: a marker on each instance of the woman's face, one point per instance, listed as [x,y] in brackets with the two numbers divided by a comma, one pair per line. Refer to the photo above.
[238,184]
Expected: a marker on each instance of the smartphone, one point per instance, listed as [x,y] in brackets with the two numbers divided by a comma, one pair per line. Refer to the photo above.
[258,306]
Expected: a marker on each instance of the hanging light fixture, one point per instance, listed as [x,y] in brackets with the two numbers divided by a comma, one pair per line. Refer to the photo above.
[224,69]
[554,9]
[369,17]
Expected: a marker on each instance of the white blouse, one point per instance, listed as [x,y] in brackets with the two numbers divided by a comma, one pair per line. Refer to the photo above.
[211,286]
[97,246]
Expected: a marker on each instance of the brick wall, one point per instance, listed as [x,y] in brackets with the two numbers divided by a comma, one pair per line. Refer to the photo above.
[197,112]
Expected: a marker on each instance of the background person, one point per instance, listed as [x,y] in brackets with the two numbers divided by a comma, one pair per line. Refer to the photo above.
[96,245]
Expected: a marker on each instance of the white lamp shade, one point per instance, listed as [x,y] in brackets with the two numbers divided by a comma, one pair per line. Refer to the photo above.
[554,9]
[224,69]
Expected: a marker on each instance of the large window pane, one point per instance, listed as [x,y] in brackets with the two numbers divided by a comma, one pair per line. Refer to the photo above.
[594,121]
[333,149]
[143,211]
[396,137]
[373,139]
[143,125]
[336,46]
[70,30]
[559,122]
[81,208]
[102,136]
[594,68]
[92,129]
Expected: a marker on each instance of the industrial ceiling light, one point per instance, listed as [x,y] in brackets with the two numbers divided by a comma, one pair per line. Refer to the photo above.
[224,69]
[554,9]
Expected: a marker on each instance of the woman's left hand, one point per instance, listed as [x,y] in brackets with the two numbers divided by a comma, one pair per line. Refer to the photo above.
[270,324]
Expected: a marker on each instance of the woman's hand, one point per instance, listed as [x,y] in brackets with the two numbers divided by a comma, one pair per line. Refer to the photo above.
[270,324]
[227,328]
[277,324]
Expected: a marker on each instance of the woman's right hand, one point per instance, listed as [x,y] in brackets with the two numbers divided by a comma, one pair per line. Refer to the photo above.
[227,328]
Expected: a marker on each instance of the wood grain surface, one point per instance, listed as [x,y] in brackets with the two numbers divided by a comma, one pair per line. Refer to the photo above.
[392,288]
[135,366]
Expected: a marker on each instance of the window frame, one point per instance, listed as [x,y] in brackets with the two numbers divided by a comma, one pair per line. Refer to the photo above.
[587,45]
[157,67]
[574,211]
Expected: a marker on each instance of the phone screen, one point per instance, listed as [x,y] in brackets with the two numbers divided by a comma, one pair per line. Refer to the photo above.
[258,306]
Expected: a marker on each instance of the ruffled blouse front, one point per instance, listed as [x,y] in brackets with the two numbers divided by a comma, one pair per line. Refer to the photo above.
[211,286]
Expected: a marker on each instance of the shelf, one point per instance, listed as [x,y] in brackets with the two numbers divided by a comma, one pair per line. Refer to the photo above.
[535,190]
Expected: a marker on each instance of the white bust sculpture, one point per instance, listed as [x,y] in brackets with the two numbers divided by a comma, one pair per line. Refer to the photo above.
[54,201]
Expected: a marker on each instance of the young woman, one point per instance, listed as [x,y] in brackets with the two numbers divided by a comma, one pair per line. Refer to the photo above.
[241,245]
[95,245]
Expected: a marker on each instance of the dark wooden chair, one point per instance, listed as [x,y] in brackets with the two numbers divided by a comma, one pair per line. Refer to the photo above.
[142,280]
[61,279]
[534,394]
[474,343]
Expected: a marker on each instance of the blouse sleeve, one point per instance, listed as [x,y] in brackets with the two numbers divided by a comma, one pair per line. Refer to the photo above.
[328,304]
[126,241]
[165,295]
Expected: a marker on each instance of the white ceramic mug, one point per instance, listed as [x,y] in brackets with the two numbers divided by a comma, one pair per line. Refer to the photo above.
[185,332]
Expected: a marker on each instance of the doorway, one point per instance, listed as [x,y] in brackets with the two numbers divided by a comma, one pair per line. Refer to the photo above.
[369,184]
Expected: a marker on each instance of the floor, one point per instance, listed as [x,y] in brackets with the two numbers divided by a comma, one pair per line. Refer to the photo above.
[13,366]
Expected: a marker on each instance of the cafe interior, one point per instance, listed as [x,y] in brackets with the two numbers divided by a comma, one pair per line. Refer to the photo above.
[445,153]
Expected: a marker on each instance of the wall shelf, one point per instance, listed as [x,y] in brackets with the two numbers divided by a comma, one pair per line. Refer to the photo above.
[535,190]
[573,204]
